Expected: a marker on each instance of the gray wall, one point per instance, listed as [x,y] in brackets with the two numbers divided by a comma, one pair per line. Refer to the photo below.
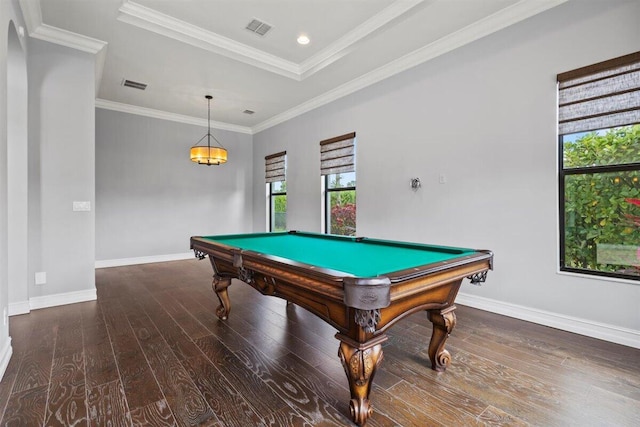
[484,116]
[150,198]
[61,168]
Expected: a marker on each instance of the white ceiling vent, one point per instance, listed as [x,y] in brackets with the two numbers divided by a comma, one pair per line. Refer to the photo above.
[258,27]
[135,85]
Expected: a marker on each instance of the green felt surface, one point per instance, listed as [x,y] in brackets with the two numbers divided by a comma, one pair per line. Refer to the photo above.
[367,258]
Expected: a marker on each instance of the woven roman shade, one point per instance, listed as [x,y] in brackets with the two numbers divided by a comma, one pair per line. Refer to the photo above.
[275,167]
[338,155]
[600,96]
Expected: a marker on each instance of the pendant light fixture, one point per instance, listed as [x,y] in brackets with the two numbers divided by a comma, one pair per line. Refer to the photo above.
[208,155]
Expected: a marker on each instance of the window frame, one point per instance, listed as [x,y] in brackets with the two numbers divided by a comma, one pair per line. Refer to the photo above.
[593,170]
[588,170]
[327,201]
[337,156]
[275,172]
[271,199]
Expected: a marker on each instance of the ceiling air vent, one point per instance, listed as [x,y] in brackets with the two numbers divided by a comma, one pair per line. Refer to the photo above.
[135,85]
[248,112]
[258,27]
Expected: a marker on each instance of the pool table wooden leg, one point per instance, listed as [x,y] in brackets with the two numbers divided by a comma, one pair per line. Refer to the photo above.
[360,361]
[220,285]
[443,323]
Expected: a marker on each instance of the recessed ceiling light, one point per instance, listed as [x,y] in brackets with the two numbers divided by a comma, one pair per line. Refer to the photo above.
[303,39]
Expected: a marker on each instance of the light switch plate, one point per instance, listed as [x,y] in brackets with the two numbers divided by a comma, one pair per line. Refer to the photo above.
[41,278]
[81,206]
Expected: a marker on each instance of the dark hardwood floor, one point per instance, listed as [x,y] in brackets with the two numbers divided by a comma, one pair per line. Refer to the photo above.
[150,351]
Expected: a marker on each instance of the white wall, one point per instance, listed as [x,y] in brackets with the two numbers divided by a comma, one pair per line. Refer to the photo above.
[10,22]
[485,117]
[150,197]
[17,178]
[61,170]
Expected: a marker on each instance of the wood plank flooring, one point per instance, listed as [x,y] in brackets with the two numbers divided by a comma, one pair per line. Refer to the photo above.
[150,351]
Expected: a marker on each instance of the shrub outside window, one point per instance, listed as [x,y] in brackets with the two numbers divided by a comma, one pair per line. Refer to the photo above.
[340,214]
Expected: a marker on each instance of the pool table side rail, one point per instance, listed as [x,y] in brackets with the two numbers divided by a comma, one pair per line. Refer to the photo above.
[426,269]
[205,244]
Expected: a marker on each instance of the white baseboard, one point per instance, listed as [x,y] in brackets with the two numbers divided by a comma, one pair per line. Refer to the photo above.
[5,356]
[22,307]
[62,299]
[603,331]
[143,260]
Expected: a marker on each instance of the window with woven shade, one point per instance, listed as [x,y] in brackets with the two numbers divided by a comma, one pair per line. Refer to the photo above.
[599,168]
[275,177]
[338,170]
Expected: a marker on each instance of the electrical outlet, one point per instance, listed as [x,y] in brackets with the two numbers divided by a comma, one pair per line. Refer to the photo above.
[41,278]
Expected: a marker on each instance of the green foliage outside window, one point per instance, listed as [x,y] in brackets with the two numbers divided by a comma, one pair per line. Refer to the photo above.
[602,209]
[342,204]
[279,206]
[280,213]
[343,212]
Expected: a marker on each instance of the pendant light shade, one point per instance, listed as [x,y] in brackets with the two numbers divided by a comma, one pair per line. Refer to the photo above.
[208,154]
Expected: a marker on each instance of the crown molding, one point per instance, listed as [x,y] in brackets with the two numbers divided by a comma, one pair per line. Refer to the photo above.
[491,24]
[168,26]
[164,115]
[342,46]
[165,25]
[67,38]
[32,14]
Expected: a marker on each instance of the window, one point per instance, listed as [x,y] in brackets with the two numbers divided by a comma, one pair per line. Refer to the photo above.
[276,166]
[599,170]
[337,166]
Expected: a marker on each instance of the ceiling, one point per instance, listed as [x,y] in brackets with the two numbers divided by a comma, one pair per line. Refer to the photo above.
[186,49]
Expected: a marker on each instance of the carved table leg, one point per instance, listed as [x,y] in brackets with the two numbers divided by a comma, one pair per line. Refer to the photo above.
[360,362]
[220,285]
[443,323]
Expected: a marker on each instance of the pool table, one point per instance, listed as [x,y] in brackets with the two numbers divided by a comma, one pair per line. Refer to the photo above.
[360,286]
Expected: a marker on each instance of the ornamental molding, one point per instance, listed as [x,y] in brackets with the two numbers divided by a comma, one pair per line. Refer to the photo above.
[176,29]
[32,14]
[164,115]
